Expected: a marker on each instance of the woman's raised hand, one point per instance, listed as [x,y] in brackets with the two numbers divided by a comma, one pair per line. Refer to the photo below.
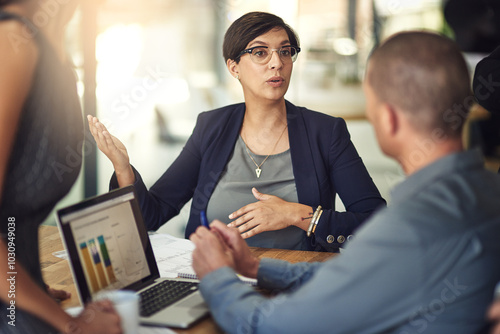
[114,149]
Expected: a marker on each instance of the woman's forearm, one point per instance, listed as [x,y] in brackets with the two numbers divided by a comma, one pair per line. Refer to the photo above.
[20,292]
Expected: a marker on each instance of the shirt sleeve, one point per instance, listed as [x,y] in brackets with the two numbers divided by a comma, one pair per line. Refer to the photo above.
[281,275]
[371,287]
[350,179]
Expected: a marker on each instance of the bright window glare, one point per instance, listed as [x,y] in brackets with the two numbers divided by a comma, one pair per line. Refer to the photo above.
[345,46]
[173,91]
[118,51]
[393,7]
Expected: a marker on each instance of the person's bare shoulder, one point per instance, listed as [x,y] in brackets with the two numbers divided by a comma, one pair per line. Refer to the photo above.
[19,51]
[18,58]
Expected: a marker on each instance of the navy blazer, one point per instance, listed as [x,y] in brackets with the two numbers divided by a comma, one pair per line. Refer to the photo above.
[324,161]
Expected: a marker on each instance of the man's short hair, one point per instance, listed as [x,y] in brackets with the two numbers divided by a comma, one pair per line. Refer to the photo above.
[424,75]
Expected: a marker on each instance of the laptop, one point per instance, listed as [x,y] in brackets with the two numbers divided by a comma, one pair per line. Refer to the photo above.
[109,248]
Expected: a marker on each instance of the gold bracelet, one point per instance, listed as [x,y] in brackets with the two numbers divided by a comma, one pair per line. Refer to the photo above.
[314,220]
[317,221]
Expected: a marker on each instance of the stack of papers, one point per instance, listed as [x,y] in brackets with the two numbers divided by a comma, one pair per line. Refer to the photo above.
[173,255]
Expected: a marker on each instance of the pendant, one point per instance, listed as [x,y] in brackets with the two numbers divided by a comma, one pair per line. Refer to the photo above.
[258,171]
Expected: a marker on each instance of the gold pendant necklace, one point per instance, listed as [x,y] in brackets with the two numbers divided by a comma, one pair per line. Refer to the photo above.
[258,170]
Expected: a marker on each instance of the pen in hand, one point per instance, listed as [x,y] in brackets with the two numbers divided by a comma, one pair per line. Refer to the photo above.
[204,220]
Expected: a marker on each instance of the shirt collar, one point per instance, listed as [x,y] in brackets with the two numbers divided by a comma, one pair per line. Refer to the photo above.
[450,164]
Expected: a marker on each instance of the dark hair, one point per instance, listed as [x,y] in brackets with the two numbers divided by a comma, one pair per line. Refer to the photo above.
[425,75]
[250,26]
[476,24]
[488,69]
[8,2]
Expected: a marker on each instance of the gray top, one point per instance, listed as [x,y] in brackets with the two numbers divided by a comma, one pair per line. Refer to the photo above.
[426,264]
[275,179]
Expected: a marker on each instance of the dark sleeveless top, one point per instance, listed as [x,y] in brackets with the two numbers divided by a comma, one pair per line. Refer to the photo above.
[47,154]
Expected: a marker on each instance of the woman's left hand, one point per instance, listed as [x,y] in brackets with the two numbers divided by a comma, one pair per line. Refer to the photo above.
[269,213]
[58,294]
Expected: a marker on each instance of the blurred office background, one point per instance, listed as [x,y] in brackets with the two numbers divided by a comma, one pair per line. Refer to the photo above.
[148,68]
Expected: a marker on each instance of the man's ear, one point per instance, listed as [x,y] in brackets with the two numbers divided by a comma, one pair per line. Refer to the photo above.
[232,66]
[390,119]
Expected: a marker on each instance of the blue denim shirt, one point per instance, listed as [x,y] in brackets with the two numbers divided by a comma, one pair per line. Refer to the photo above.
[426,264]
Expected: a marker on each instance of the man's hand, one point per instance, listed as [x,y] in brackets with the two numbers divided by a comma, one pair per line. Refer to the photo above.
[211,253]
[245,263]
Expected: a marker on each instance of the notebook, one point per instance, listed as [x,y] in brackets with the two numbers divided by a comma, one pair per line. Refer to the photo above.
[109,248]
[192,275]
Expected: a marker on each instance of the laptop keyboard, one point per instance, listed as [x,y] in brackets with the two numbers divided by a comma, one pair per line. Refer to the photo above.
[163,294]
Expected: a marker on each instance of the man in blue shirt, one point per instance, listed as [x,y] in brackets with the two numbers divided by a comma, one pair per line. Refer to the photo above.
[426,264]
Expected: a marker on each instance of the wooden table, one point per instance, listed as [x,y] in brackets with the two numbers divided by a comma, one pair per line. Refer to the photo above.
[57,274]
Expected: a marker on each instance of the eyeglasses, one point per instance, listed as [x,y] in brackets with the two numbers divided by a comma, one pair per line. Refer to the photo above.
[262,54]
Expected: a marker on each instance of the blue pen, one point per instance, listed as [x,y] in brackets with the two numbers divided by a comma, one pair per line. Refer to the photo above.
[204,220]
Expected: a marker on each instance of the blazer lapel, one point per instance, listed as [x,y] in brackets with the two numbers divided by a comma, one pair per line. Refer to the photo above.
[219,152]
[304,169]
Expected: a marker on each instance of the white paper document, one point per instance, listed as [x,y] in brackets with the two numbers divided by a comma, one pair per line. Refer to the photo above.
[173,255]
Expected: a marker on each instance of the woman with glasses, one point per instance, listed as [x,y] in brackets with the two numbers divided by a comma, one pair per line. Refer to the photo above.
[265,166]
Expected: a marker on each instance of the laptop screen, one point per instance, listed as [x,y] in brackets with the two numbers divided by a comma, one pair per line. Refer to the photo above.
[107,243]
